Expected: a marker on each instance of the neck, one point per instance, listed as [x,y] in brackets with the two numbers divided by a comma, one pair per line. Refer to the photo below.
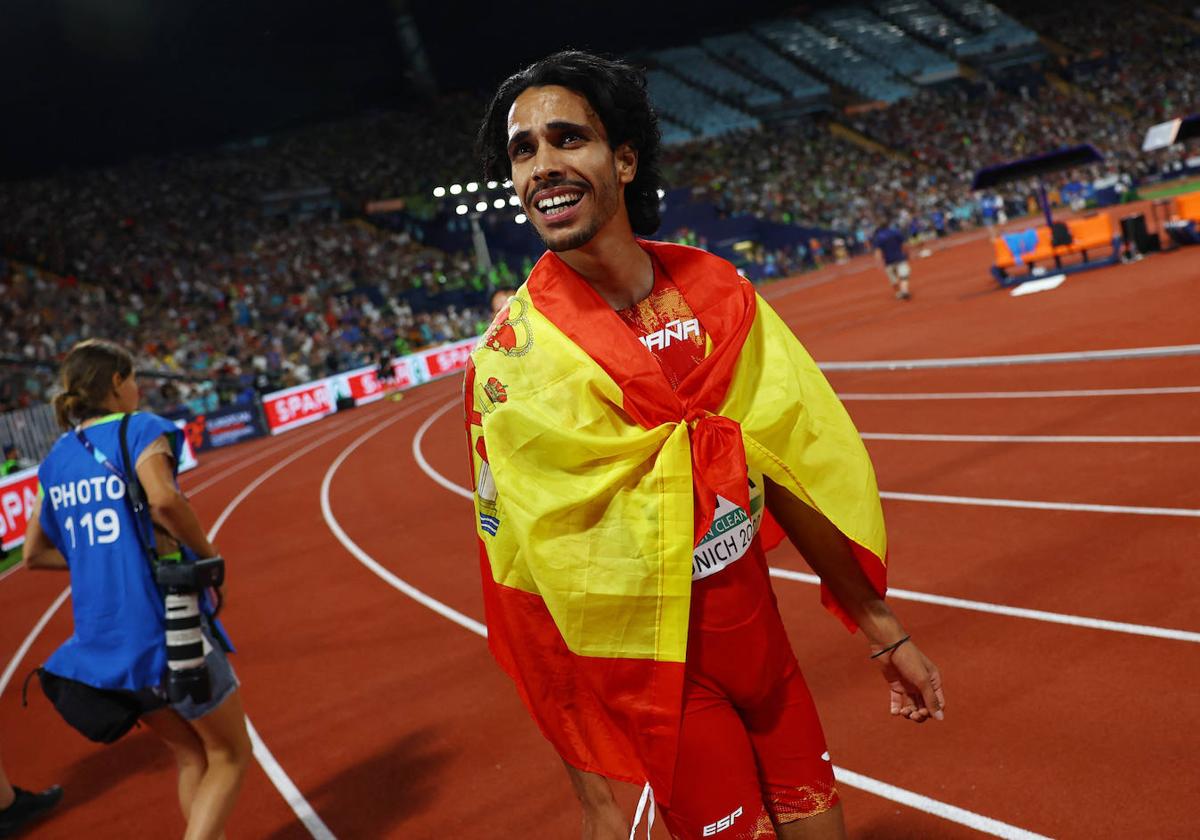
[614,264]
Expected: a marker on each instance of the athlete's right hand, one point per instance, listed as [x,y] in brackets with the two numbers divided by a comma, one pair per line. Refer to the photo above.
[915,684]
[605,823]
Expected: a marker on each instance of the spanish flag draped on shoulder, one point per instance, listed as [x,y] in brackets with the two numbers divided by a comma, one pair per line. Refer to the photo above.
[594,480]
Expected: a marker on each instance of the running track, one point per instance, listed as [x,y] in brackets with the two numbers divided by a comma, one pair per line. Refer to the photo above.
[392,721]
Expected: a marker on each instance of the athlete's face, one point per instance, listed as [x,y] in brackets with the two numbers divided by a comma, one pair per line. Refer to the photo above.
[570,182]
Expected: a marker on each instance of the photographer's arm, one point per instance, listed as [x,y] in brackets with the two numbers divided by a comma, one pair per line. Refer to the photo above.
[38,552]
[169,507]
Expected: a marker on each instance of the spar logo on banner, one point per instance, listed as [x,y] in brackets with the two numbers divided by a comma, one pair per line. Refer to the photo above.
[363,385]
[294,407]
[448,359]
[18,493]
[402,372]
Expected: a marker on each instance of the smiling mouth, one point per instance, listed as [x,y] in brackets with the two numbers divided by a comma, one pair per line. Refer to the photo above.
[558,204]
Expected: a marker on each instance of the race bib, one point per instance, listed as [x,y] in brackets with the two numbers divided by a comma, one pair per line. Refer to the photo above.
[733,530]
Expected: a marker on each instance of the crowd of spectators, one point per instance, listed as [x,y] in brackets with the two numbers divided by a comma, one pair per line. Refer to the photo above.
[176,256]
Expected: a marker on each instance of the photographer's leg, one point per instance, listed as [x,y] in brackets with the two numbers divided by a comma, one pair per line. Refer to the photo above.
[228,752]
[188,749]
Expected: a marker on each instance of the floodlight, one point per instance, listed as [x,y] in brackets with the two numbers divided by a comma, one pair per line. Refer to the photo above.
[514,201]
[472,187]
[461,209]
[520,219]
[506,184]
[661,192]
[481,206]
[438,192]
[492,185]
[498,203]
[455,189]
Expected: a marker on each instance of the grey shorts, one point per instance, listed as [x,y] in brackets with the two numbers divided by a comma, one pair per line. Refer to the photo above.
[221,678]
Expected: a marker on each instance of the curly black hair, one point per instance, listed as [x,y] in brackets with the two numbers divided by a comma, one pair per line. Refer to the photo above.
[617,92]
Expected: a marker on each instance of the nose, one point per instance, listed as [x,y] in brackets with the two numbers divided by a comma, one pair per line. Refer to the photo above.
[546,164]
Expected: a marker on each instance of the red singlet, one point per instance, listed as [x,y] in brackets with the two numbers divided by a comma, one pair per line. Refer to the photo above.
[751,749]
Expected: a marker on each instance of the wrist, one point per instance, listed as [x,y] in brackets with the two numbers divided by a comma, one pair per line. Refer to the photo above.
[878,623]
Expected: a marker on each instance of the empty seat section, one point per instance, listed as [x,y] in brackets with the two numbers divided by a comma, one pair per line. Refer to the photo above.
[697,66]
[836,59]
[996,29]
[689,107]
[925,20]
[748,50]
[873,36]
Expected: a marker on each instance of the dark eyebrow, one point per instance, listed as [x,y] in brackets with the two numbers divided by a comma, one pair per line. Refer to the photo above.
[557,125]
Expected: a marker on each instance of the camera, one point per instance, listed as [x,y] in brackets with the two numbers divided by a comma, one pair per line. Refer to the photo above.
[182,582]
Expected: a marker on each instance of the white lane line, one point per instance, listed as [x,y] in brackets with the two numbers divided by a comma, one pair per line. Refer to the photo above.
[1015,612]
[1026,504]
[270,765]
[299,453]
[952,813]
[367,560]
[11,570]
[420,456]
[15,662]
[283,783]
[849,778]
[1024,359]
[275,445]
[1032,438]
[287,788]
[1026,395]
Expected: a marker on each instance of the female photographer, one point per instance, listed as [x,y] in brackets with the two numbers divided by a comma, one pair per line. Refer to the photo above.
[85,522]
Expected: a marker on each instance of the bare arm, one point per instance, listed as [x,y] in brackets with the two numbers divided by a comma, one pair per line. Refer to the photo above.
[38,552]
[602,818]
[169,507]
[916,685]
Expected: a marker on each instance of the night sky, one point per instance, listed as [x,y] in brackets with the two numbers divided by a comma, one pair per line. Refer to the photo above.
[97,81]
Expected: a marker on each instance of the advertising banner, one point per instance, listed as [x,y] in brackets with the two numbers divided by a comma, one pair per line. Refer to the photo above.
[298,406]
[223,427]
[448,358]
[18,492]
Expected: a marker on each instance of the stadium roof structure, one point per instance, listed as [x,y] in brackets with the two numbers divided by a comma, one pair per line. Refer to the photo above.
[1068,157]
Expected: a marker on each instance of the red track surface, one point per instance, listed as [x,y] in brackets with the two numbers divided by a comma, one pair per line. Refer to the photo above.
[394,722]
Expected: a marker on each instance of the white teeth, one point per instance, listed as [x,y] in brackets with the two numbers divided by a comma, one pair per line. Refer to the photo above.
[547,203]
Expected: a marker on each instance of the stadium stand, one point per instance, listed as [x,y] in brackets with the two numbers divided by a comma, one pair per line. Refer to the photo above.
[703,71]
[925,21]
[996,29]
[689,106]
[834,58]
[744,49]
[895,49]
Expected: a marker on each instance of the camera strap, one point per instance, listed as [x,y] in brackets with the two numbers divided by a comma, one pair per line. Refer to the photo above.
[133,488]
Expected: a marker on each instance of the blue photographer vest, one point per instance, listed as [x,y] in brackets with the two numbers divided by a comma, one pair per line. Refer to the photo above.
[119,640]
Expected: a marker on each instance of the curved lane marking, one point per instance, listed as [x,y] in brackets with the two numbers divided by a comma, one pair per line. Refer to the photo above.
[927,438]
[910,798]
[1026,395]
[283,783]
[1121,354]
[904,594]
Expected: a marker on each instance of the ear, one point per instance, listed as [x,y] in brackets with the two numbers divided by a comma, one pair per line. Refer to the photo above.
[117,380]
[626,161]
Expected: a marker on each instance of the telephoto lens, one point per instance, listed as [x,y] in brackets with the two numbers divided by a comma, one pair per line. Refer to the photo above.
[187,674]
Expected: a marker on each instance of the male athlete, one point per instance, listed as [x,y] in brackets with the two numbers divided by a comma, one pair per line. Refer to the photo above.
[888,243]
[629,413]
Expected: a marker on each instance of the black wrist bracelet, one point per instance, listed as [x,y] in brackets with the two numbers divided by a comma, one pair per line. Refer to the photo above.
[889,648]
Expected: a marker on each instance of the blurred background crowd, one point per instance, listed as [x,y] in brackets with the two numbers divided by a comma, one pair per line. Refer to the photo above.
[259,264]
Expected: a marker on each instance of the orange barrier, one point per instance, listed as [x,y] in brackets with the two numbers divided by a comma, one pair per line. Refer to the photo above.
[1187,207]
[1087,234]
